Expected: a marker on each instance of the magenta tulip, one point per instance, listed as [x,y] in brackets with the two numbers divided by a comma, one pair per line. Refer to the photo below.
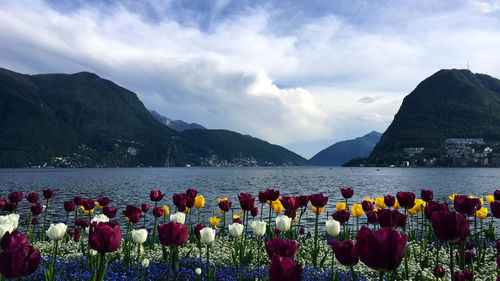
[82,223]
[36,209]
[225,205]
[262,197]
[432,207]
[172,234]
[32,197]
[191,193]
[383,250]
[389,200]
[105,237]
[78,200]
[318,200]
[450,226]
[255,211]
[15,196]
[458,276]
[367,206]
[467,274]
[284,269]
[388,218]
[246,201]
[427,195]
[158,211]
[103,201]
[47,193]
[438,272]
[109,211]
[180,201]
[132,213]
[465,205]
[281,247]
[372,217]
[198,228]
[303,201]
[145,207]
[19,262]
[402,219]
[156,195]
[495,208]
[14,240]
[496,194]
[345,252]
[347,192]
[88,204]
[69,206]
[406,199]
[342,216]
[272,195]
[290,203]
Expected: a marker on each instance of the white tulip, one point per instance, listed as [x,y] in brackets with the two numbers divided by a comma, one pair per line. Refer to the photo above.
[100,218]
[4,228]
[258,228]
[235,229]
[139,236]
[197,271]
[178,217]
[56,231]
[207,236]
[145,263]
[12,219]
[332,227]
[283,223]
[93,252]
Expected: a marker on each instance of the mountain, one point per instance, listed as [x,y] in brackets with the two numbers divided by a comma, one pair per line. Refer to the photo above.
[82,120]
[452,103]
[341,152]
[177,125]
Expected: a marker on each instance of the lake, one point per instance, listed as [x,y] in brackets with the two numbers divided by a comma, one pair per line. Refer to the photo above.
[132,185]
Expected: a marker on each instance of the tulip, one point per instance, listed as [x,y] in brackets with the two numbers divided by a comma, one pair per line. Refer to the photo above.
[490,199]
[387,218]
[254,211]
[199,201]
[180,201]
[258,228]
[284,269]
[406,199]
[272,195]
[197,229]
[87,212]
[283,223]
[166,211]
[465,205]
[178,217]
[303,201]
[237,220]
[290,203]
[246,201]
[262,197]
[12,219]
[372,217]
[47,193]
[345,252]
[389,200]
[132,213]
[10,207]
[367,206]
[5,228]
[224,205]
[467,274]
[495,208]
[32,197]
[357,210]
[105,237]
[69,206]
[189,203]
[451,227]
[318,200]
[383,250]
[172,234]
[145,207]
[458,276]
[15,196]
[235,229]
[191,193]
[402,219]
[19,262]
[276,231]
[14,239]
[157,211]
[82,223]
[139,236]
[347,192]
[215,221]
[3,202]
[332,227]
[341,216]
[156,195]
[427,195]
[482,213]
[207,236]
[302,231]
[340,206]
[103,201]
[439,272]
[432,207]
[36,209]
[109,211]
[56,232]
[145,263]
[88,204]
[277,206]
[380,203]
[281,247]
[291,214]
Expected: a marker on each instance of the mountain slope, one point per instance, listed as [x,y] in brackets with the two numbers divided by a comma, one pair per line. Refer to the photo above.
[177,125]
[449,104]
[82,120]
[341,152]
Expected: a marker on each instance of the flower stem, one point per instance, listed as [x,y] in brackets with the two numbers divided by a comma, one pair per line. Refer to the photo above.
[100,272]
[315,253]
[44,218]
[170,262]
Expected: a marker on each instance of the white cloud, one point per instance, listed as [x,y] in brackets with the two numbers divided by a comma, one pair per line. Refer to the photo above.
[325,79]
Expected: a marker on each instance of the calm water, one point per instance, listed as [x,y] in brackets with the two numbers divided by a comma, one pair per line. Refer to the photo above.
[132,185]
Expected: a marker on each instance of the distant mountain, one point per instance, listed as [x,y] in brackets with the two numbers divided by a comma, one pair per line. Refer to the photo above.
[177,125]
[449,104]
[341,152]
[82,120]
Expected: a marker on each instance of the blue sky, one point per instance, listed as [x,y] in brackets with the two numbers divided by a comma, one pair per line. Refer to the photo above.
[302,74]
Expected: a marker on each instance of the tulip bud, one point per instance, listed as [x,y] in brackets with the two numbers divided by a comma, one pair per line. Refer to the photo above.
[197,271]
[145,263]
[47,193]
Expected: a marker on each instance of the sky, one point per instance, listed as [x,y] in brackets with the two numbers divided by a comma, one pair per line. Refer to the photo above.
[301,74]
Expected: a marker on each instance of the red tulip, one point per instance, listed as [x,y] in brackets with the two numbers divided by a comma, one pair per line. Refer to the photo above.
[465,205]
[225,205]
[495,208]
[318,200]
[69,206]
[284,269]
[427,195]
[272,195]
[47,193]
[145,207]
[105,237]
[158,211]
[88,204]
[172,234]
[406,199]
[19,262]
[103,201]
[156,195]
[450,226]
[281,247]
[15,196]
[342,216]
[191,193]
[432,207]
[32,197]
[383,250]
[109,211]
[389,200]
[132,213]
[367,206]
[180,201]
[78,200]
[246,201]
[347,192]
[36,208]
[345,252]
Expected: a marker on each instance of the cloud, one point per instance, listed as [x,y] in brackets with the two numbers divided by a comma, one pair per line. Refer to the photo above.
[326,74]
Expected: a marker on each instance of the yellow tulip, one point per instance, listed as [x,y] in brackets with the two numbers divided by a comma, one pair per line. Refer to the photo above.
[379,201]
[490,199]
[419,205]
[237,215]
[368,199]
[199,202]
[215,221]
[412,211]
[452,197]
[340,206]
[277,207]
[295,218]
[98,205]
[482,213]
[187,210]
[165,210]
[87,212]
[396,205]
[221,199]
[317,211]
[357,210]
